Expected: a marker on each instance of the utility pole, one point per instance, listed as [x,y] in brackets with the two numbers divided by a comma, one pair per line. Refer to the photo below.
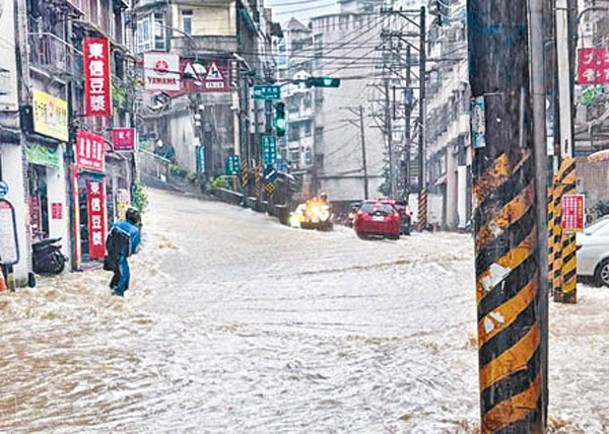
[510,216]
[422,212]
[363,143]
[388,132]
[407,112]
[566,289]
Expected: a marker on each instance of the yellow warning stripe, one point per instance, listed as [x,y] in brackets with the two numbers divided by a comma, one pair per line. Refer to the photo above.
[514,409]
[507,313]
[510,261]
[512,360]
[496,175]
[508,215]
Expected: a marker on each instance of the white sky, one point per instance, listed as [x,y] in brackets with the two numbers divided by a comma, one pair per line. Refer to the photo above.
[283,10]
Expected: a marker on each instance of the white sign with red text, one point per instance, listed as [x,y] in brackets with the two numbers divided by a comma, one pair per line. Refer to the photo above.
[162,71]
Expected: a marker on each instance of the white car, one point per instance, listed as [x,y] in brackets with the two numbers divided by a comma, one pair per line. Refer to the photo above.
[593,252]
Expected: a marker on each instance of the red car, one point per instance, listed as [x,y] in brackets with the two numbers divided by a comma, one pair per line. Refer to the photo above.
[378,219]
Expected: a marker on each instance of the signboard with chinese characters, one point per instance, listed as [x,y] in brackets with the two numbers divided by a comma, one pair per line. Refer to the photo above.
[98,90]
[267,92]
[9,245]
[269,149]
[233,165]
[123,139]
[478,123]
[207,76]
[162,72]
[573,212]
[89,151]
[593,66]
[56,211]
[96,208]
[50,115]
[8,64]
[200,149]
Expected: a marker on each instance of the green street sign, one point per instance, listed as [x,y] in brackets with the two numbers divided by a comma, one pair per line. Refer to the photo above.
[233,165]
[269,149]
[267,92]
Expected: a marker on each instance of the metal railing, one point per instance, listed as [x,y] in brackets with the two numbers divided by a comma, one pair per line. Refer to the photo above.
[50,52]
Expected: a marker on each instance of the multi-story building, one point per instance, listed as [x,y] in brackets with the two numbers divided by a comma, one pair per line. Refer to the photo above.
[344,44]
[225,46]
[448,157]
[48,190]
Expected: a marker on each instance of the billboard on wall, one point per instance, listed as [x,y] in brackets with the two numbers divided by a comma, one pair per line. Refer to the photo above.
[207,76]
[50,115]
[161,71]
[8,63]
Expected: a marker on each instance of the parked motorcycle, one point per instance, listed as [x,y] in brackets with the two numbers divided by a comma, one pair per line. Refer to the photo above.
[47,257]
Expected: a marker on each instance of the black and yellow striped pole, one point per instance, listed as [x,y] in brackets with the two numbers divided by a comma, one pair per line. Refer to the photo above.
[510,225]
[422,211]
[258,181]
[244,174]
[556,258]
[567,292]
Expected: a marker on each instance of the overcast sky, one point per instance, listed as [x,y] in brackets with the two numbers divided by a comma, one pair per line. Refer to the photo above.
[283,10]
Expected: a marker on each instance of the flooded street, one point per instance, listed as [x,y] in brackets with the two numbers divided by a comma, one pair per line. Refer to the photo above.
[235,324]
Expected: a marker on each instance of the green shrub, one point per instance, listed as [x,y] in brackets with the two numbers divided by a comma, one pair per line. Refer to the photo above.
[139,197]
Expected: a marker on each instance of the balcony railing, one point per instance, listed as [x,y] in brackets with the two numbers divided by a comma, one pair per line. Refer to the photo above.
[50,53]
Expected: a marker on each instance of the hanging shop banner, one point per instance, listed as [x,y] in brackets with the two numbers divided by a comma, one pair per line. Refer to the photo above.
[90,151]
[123,139]
[50,115]
[207,76]
[96,204]
[8,65]
[593,66]
[573,214]
[98,91]
[56,211]
[9,245]
[162,72]
[42,155]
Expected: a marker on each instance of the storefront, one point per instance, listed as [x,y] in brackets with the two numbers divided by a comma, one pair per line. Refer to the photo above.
[91,201]
[46,178]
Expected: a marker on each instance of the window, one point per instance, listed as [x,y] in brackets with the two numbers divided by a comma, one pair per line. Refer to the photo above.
[151,32]
[187,21]
[159,31]
[144,42]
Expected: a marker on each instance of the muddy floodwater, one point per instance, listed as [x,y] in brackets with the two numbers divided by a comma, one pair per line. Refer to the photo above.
[235,324]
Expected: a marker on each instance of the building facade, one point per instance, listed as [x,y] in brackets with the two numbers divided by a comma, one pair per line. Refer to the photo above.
[43,114]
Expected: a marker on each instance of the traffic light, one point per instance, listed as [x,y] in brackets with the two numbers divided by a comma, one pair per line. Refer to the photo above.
[280,120]
[322,82]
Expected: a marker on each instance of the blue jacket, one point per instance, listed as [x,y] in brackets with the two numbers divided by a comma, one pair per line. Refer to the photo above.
[134,234]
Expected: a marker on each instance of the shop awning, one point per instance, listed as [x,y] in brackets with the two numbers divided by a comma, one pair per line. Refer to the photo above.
[599,156]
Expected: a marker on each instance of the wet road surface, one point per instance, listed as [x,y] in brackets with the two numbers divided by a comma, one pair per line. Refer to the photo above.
[235,324]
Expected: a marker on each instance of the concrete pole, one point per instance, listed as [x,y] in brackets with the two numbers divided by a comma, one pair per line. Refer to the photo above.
[509,220]
[363,143]
[566,292]
[389,134]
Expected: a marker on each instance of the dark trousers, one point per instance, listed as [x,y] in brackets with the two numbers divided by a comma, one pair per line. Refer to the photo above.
[120,280]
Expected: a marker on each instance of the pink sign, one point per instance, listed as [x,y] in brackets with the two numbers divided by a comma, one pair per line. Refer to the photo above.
[90,151]
[593,66]
[96,206]
[573,212]
[56,211]
[123,139]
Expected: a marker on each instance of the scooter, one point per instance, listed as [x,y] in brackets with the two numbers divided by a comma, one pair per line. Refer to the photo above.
[47,257]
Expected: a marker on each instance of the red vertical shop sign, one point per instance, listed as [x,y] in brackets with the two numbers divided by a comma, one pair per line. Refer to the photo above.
[90,151]
[96,206]
[98,88]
